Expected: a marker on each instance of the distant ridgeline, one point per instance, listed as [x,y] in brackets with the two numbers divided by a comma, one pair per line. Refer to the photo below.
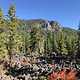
[45,26]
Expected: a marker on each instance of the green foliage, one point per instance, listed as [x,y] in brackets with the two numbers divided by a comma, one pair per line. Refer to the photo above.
[74,46]
[12,23]
[27,44]
[42,44]
[25,26]
[55,44]
[34,38]
[78,55]
[42,78]
[62,45]
[18,44]
[2,21]
[69,31]
[49,42]
[68,40]
[3,50]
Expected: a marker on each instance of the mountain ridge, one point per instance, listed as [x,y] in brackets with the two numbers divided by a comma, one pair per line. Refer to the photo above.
[44,25]
[47,25]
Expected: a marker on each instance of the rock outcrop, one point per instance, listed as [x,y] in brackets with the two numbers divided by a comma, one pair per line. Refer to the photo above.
[34,65]
[50,25]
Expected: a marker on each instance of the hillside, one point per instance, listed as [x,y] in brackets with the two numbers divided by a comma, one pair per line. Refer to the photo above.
[44,25]
[69,30]
[47,25]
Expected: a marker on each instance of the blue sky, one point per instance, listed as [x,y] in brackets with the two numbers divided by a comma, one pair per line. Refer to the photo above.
[66,12]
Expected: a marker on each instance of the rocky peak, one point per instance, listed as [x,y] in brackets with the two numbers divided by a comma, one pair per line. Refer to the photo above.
[50,25]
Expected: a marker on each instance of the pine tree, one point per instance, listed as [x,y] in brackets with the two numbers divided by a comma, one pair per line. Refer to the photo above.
[12,23]
[2,34]
[42,44]
[34,39]
[78,53]
[49,42]
[55,44]
[58,36]
[62,45]
[68,44]
[27,44]
[74,46]
[24,43]
[45,45]
[18,44]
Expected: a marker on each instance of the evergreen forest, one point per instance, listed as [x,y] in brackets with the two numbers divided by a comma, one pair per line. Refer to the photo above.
[29,52]
[13,39]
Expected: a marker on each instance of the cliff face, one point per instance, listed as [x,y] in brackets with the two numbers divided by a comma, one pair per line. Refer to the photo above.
[50,25]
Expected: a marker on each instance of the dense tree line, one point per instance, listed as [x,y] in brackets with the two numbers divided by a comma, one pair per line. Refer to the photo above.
[35,40]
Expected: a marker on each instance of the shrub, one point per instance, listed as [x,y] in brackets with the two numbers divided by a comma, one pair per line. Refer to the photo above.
[42,78]
[63,76]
